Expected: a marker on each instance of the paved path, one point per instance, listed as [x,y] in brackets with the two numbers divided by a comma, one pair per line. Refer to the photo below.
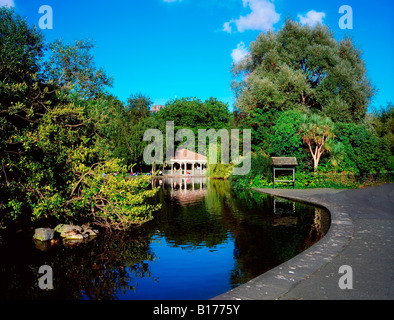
[361,236]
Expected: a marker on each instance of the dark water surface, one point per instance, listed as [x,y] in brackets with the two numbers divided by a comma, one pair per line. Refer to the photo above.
[204,241]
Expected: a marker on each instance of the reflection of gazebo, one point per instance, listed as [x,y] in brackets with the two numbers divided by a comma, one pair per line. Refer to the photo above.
[188,191]
[184,190]
[186,160]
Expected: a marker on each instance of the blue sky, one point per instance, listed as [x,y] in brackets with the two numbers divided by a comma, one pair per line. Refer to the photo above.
[185,48]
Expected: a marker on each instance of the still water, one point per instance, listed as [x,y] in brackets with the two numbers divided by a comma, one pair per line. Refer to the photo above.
[204,241]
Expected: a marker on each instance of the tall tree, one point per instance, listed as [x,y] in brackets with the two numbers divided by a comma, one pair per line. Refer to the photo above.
[138,107]
[71,67]
[195,114]
[134,116]
[305,67]
[21,50]
[52,163]
[383,122]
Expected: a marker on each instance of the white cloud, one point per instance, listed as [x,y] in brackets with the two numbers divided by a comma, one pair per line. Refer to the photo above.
[6,3]
[262,18]
[240,53]
[227,27]
[312,18]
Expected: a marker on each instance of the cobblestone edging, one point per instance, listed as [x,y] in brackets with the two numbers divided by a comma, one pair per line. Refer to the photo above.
[278,281]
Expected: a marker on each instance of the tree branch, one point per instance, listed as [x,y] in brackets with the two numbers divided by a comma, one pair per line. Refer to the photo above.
[82,177]
[78,125]
[5,175]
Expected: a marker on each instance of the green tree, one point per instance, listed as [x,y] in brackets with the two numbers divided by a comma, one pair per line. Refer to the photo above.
[285,137]
[71,68]
[115,203]
[317,133]
[118,126]
[337,154]
[136,138]
[110,134]
[19,62]
[137,108]
[52,132]
[195,114]
[21,50]
[363,148]
[260,170]
[383,123]
[305,67]
[135,120]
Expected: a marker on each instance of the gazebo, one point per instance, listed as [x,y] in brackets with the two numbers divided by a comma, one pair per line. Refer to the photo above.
[188,160]
[284,164]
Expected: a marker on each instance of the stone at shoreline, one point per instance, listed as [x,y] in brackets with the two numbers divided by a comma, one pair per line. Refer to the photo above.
[72,235]
[64,228]
[75,235]
[43,234]
[90,232]
[74,232]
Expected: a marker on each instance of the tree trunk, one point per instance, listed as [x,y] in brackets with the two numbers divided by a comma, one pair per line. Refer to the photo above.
[316,156]
[315,165]
[316,159]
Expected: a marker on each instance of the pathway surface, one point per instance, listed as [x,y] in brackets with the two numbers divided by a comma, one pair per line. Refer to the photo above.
[361,236]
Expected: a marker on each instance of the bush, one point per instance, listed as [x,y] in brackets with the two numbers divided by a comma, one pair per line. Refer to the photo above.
[113,201]
[260,169]
[285,138]
[343,180]
[364,150]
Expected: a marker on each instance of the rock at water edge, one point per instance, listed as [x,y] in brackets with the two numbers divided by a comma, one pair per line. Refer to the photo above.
[65,228]
[44,234]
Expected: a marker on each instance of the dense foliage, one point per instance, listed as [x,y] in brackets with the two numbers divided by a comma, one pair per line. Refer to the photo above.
[306,95]
[305,67]
[58,129]
[67,146]
[196,114]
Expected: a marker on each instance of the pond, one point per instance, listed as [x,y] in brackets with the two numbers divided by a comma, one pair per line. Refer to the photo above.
[205,240]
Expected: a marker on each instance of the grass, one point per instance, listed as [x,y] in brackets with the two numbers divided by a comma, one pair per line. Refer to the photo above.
[325,180]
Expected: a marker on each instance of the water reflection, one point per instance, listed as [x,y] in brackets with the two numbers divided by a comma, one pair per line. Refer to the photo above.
[100,269]
[183,190]
[204,241]
[264,231]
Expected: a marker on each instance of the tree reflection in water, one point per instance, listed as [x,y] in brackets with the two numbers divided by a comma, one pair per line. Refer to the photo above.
[99,269]
[199,218]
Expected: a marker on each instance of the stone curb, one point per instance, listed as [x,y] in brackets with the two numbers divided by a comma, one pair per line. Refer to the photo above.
[278,281]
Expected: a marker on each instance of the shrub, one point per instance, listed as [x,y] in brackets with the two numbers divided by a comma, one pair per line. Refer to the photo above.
[114,202]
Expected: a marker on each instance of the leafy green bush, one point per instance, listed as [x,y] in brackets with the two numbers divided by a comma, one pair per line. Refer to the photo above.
[260,170]
[285,138]
[114,202]
[343,180]
[52,135]
[365,152]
